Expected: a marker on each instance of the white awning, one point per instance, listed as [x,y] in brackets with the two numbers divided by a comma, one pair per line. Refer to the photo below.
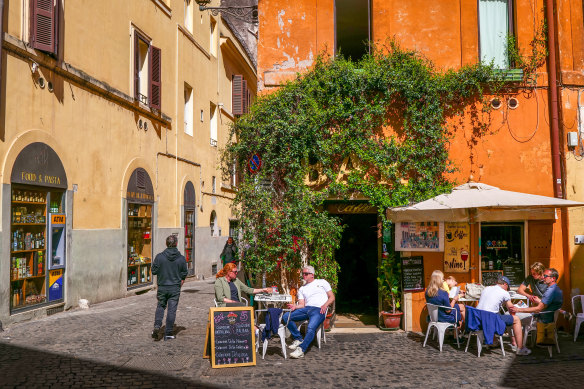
[480,202]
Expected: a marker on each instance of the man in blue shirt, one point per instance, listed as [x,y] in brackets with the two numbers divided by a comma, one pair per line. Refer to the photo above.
[551,301]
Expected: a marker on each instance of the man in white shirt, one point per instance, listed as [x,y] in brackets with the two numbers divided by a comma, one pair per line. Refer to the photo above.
[491,300]
[313,300]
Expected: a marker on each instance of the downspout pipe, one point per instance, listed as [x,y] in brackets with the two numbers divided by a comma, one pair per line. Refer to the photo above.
[553,98]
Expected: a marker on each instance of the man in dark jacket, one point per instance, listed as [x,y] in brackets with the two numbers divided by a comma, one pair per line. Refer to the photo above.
[229,253]
[171,268]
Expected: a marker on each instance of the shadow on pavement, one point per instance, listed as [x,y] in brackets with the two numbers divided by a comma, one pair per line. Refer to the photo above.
[24,367]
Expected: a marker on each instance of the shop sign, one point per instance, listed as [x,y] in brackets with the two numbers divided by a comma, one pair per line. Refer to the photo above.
[413,274]
[38,164]
[140,188]
[57,219]
[55,285]
[351,208]
[419,236]
[456,247]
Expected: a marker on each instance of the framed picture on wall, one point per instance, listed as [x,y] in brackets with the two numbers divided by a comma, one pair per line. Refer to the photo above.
[419,236]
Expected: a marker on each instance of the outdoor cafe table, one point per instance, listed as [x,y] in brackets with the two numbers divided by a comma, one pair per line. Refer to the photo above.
[514,297]
[273,299]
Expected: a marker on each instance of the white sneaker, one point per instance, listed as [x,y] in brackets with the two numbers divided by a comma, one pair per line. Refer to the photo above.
[295,344]
[524,351]
[297,353]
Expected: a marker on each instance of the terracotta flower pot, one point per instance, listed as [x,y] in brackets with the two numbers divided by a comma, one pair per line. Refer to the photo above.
[328,321]
[391,320]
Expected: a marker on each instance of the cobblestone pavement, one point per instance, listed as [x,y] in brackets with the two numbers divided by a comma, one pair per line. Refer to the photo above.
[109,345]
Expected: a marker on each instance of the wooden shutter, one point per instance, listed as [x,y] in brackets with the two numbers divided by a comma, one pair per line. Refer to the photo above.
[43,25]
[244,97]
[248,100]
[155,95]
[237,95]
[136,66]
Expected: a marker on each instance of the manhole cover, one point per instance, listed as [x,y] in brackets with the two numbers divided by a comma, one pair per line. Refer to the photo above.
[160,362]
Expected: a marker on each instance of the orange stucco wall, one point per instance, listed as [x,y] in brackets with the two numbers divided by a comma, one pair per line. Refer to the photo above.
[516,153]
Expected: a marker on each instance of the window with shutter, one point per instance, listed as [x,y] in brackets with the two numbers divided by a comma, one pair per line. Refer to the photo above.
[236,94]
[43,25]
[495,25]
[155,76]
[244,97]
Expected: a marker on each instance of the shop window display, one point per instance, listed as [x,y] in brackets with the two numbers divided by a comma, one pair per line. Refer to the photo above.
[502,249]
[139,244]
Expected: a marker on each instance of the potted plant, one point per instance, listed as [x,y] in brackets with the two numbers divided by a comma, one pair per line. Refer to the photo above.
[389,281]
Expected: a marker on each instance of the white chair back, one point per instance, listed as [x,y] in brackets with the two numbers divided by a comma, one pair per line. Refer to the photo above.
[433,312]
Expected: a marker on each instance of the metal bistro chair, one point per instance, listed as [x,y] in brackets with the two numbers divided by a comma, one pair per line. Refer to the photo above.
[320,332]
[533,328]
[579,315]
[281,332]
[441,327]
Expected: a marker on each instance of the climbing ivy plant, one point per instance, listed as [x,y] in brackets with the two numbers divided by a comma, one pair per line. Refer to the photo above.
[375,129]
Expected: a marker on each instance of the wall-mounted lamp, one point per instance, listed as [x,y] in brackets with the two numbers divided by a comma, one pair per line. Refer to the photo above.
[247,13]
[34,67]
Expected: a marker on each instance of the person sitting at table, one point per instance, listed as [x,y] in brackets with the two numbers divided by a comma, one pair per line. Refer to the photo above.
[228,287]
[551,301]
[534,283]
[449,283]
[438,296]
[491,300]
[313,300]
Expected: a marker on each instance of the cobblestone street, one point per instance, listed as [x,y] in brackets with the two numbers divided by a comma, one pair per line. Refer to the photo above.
[109,345]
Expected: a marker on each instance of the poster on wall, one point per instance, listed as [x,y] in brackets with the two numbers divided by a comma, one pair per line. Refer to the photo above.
[419,236]
[456,247]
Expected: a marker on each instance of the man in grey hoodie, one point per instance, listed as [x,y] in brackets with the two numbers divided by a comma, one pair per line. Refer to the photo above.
[171,268]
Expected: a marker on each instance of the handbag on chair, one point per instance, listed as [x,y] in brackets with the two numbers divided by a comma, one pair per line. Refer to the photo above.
[474,290]
[545,334]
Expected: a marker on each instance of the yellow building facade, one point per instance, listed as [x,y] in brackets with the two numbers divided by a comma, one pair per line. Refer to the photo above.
[110,133]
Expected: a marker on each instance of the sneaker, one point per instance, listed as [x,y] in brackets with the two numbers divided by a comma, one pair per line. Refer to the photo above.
[297,353]
[155,333]
[513,347]
[524,351]
[295,345]
[169,337]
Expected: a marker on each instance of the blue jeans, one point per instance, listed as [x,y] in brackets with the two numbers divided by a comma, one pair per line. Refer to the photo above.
[167,295]
[315,319]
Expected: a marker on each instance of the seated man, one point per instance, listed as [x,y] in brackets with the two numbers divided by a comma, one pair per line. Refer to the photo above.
[550,302]
[313,300]
[534,285]
[491,299]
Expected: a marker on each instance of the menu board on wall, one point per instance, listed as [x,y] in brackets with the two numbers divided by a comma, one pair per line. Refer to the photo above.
[515,273]
[419,236]
[456,247]
[413,274]
[232,336]
[490,277]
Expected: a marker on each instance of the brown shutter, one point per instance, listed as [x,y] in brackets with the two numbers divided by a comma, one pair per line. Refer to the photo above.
[248,100]
[244,97]
[236,95]
[136,66]
[155,75]
[43,25]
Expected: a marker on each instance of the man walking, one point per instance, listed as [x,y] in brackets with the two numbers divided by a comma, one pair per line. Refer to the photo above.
[313,300]
[171,268]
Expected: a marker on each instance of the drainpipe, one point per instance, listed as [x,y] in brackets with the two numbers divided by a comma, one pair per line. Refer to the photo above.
[1,39]
[553,96]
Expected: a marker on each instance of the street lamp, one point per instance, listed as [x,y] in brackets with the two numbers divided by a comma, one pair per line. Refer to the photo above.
[248,13]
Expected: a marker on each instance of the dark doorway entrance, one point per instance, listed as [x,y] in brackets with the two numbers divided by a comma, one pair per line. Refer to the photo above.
[357,257]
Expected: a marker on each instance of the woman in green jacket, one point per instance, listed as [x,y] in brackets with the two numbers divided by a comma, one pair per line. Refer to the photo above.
[228,287]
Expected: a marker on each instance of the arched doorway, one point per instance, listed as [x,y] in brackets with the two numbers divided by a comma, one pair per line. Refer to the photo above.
[189,226]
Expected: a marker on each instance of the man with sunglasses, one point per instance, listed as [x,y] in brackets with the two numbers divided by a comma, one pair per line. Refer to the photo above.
[313,300]
[550,302]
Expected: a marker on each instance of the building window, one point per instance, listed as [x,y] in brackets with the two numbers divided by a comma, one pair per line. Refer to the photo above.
[495,25]
[214,185]
[44,24]
[147,71]
[213,124]
[188,111]
[213,37]
[189,15]
[352,29]
[213,224]
[240,95]
[233,174]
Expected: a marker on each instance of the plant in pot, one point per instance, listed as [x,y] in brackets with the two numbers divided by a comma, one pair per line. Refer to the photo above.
[389,281]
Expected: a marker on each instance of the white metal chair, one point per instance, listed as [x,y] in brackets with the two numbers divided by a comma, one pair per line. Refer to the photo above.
[320,332]
[533,327]
[281,332]
[441,327]
[243,300]
[579,315]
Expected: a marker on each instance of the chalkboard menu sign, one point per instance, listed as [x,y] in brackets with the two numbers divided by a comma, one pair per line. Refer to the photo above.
[515,273]
[490,277]
[232,337]
[413,274]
